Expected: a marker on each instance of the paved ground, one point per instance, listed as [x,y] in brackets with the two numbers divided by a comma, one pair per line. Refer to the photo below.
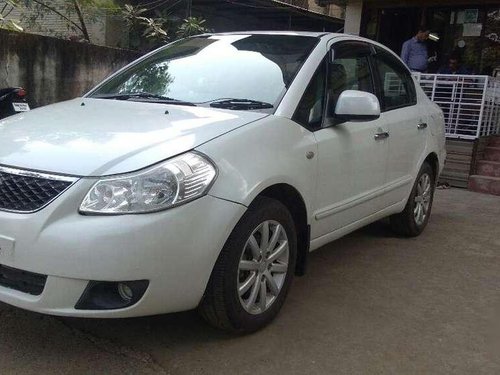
[370,304]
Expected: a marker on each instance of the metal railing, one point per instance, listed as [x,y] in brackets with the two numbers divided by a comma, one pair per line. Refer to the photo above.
[470,103]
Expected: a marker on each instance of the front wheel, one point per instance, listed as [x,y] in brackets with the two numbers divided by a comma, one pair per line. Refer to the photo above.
[413,220]
[253,273]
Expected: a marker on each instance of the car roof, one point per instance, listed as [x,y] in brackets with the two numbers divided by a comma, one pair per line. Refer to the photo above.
[291,33]
[322,35]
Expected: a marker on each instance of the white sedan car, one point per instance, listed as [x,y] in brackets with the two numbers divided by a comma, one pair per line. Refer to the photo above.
[202,175]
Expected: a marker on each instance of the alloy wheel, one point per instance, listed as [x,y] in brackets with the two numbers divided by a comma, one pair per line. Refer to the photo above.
[422,199]
[263,267]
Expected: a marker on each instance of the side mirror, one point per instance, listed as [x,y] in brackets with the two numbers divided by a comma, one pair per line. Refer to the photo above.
[353,105]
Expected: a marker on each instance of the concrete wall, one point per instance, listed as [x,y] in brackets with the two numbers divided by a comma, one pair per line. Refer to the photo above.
[105,28]
[53,25]
[53,70]
[332,10]
[328,10]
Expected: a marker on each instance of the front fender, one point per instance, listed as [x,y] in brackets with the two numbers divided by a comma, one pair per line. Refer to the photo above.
[261,154]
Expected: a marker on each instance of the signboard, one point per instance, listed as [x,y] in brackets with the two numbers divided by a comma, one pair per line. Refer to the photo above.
[473,29]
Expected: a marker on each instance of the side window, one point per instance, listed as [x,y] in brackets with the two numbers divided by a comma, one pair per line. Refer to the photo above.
[309,112]
[396,84]
[350,70]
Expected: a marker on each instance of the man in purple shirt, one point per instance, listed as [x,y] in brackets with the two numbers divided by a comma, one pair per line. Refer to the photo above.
[414,52]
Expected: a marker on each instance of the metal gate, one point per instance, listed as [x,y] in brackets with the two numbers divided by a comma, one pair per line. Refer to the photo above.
[471,103]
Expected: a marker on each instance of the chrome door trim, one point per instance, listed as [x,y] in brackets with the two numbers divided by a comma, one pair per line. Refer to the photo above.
[360,199]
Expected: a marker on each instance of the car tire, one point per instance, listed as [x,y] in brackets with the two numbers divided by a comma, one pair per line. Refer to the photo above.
[227,304]
[413,220]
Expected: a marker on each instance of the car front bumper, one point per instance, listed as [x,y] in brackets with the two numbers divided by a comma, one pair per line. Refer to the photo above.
[175,250]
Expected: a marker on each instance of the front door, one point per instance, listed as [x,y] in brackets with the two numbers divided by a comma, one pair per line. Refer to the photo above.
[352,156]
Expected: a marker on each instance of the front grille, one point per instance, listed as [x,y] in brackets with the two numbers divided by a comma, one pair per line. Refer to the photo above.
[25,191]
[23,281]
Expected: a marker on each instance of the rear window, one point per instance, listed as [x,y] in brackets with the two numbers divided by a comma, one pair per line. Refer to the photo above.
[397,86]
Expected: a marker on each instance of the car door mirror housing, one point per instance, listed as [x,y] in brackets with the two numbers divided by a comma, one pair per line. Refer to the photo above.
[353,105]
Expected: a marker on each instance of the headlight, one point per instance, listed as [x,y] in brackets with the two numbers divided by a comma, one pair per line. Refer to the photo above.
[162,186]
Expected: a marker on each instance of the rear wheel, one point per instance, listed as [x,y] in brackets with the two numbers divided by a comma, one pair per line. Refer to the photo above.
[413,220]
[253,273]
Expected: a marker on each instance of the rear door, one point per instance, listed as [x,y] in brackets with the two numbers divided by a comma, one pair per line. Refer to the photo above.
[405,120]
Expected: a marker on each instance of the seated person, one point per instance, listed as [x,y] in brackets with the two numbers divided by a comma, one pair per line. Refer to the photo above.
[453,67]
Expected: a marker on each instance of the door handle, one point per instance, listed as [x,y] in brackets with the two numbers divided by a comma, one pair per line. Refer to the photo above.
[382,135]
[422,125]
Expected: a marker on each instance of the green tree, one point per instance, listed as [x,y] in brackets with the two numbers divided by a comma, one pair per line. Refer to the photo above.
[191,26]
[74,13]
[151,25]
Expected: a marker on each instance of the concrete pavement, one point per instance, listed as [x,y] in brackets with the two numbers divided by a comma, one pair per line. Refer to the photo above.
[371,303]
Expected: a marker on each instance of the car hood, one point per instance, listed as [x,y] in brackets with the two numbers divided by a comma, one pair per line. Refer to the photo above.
[96,137]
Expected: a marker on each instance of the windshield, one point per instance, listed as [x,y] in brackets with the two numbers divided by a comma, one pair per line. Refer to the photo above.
[255,68]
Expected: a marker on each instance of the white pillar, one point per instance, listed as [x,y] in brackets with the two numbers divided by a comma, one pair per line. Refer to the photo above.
[353,15]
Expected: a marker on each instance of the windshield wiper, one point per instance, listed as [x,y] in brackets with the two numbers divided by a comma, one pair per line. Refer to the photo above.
[145,95]
[240,104]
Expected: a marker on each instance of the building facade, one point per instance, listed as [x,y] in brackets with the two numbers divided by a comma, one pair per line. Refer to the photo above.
[469,29]
[241,15]
[317,6]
